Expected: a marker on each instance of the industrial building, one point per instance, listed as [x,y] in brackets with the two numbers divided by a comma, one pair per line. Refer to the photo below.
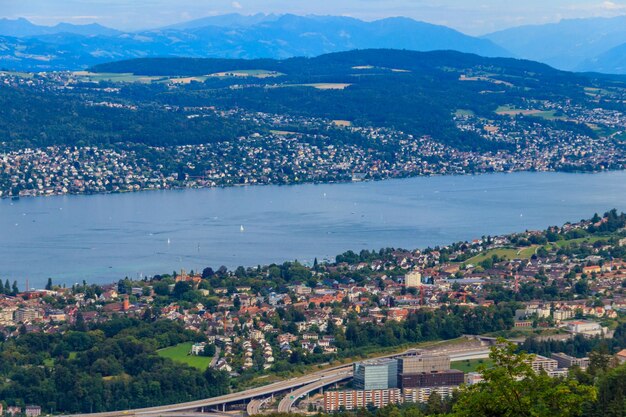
[377,374]
[450,377]
[418,363]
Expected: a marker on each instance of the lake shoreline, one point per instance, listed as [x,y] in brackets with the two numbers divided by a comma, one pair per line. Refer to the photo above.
[291,184]
[103,238]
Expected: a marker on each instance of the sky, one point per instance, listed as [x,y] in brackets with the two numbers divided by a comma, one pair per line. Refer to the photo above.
[470,16]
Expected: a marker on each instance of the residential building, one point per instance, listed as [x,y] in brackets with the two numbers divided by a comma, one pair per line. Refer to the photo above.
[567,361]
[413,279]
[421,395]
[354,400]
[198,348]
[32,411]
[23,315]
[540,363]
[472,378]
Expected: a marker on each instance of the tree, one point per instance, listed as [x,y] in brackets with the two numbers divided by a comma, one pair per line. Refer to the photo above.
[49,284]
[207,273]
[434,404]
[181,288]
[161,288]
[512,388]
[15,290]
[209,350]
[612,394]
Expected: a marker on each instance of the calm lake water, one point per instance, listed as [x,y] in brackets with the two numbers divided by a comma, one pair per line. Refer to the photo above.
[105,237]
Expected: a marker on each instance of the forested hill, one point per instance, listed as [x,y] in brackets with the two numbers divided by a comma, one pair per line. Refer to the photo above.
[335,63]
[418,93]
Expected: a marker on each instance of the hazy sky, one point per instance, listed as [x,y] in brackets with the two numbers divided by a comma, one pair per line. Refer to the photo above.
[470,16]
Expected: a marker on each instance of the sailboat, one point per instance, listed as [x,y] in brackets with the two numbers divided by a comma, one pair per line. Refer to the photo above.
[241,229]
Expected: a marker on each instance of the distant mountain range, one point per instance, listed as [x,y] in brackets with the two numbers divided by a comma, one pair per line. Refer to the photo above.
[591,45]
[25,46]
[597,44]
[20,28]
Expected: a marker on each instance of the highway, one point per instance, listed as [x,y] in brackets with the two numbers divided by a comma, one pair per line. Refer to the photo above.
[191,414]
[264,391]
[254,406]
[289,400]
[469,355]
[307,382]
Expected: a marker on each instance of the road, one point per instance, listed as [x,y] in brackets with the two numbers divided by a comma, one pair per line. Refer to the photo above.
[254,406]
[191,414]
[265,391]
[216,357]
[289,400]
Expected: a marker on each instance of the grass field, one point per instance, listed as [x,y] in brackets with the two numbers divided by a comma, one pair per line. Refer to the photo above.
[180,353]
[463,112]
[186,80]
[512,111]
[592,240]
[328,86]
[86,76]
[318,86]
[488,79]
[282,132]
[247,73]
[565,243]
[509,253]
[471,365]
[50,361]
[528,252]
[18,74]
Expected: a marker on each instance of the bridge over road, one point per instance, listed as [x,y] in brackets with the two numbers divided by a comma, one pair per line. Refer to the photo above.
[289,400]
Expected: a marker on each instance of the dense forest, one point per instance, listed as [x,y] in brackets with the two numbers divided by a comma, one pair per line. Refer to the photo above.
[30,117]
[110,366]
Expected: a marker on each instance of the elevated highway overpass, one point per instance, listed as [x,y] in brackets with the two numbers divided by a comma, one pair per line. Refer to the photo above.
[303,385]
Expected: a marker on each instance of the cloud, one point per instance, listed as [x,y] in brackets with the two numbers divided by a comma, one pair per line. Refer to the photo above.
[610,5]
[237,5]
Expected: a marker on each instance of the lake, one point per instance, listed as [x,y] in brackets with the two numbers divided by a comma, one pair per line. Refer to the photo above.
[103,238]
